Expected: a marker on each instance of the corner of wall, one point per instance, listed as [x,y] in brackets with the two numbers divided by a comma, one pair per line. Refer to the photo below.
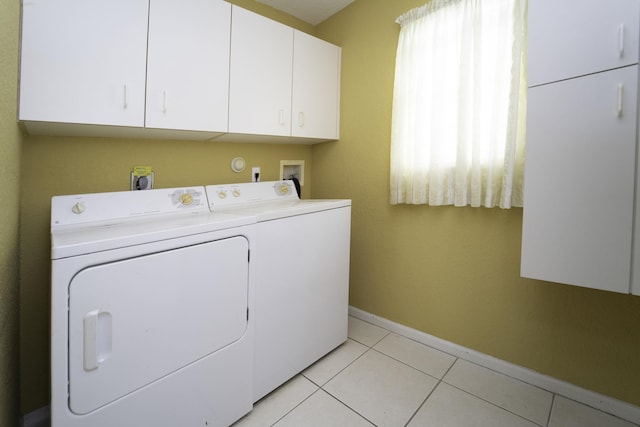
[10,160]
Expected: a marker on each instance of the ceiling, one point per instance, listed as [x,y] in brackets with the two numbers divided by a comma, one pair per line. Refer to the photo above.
[311,11]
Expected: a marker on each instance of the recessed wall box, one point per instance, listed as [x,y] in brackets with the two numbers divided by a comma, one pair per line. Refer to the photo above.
[292,169]
[141,178]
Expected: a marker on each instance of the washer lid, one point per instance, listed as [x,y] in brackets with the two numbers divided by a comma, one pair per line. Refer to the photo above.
[267,200]
[281,209]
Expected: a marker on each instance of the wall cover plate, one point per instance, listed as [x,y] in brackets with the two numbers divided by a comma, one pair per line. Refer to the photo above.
[141,182]
[237,164]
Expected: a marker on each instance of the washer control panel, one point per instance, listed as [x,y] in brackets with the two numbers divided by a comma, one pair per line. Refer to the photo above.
[232,196]
[98,207]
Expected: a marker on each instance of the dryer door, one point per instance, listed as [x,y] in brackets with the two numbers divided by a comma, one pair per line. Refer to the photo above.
[136,320]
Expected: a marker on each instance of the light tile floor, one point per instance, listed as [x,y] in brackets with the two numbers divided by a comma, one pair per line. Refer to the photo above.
[378,378]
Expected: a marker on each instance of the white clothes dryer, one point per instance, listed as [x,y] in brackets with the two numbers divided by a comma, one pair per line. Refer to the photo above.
[301,275]
[151,310]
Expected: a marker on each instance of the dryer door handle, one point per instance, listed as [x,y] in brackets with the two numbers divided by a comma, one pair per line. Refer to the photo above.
[97,338]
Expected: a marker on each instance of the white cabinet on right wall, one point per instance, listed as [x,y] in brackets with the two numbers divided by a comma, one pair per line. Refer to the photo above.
[571,38]
[580,172]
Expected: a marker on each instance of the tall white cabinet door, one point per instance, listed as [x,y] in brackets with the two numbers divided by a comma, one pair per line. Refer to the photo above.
[261,72]
[84,61]
[572,38]
[579,180]
[316,88]
[188,65]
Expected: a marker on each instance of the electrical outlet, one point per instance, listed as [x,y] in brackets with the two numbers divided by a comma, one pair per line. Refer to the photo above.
[255,174]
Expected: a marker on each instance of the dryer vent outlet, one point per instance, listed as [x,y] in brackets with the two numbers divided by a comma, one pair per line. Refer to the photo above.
[141,182]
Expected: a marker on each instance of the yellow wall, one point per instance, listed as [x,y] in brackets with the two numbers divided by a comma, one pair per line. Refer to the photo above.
[53,166]
[10,142]
[454,272]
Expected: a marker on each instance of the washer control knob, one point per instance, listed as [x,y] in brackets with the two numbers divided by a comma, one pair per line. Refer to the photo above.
[78,208]
[236,193]
[284,189]
[186,199]
[222,194]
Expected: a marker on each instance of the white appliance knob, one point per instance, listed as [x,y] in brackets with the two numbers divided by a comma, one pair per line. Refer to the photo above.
[236,193]
[222,194]
[186,199]
[78,208]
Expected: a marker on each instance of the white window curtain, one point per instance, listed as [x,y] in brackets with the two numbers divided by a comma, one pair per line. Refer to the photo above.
[459,104]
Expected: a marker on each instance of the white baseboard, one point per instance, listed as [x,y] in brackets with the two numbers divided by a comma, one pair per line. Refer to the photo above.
[38,418]
[604,403]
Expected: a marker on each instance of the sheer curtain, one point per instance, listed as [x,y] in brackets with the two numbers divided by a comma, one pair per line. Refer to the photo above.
[459,104]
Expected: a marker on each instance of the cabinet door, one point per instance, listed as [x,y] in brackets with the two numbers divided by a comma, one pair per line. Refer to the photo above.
[188,65]
[138,320]
[572,38]
[260,81]
[579,180]
[84,61]
[316,88]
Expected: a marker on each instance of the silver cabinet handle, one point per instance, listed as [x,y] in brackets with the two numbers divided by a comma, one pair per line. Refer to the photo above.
[621,40]
[620,99]
[164,101]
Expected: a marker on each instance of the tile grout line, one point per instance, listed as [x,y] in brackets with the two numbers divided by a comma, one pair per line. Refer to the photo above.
[342,370]
[413,367]
[295,407]
[350,408]
[440,380]
[321,386]
[493,403]
[509,376]
[553,402]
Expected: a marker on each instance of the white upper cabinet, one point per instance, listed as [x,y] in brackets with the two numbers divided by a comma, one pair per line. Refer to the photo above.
[188,65]
[192,69]
[580,172]
[579,181]
[84,61]
[283,83]
[261,73]
[571,38]
[316,88]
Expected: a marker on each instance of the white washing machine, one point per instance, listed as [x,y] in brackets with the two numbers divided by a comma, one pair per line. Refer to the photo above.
[301,277]
[151,315]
